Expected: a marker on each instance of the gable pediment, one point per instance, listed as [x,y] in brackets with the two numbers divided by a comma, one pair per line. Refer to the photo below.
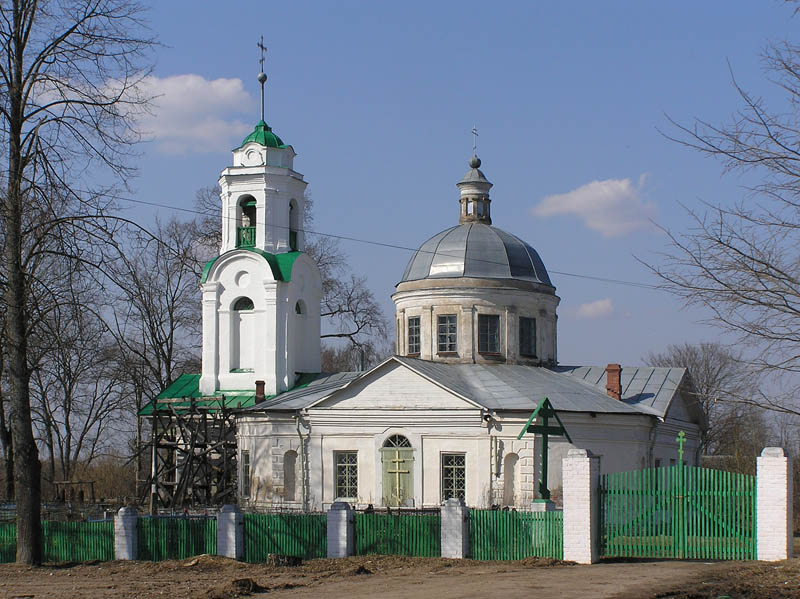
[393,386]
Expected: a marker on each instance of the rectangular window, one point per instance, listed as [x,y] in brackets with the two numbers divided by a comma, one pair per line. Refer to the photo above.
[527,336]
[346,474]
[413,335]
[448,329]
[244,485]
[454,475]
[488,334]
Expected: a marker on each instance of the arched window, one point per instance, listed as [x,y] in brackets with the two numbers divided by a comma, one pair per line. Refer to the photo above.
[300,307]
[242,335]
[397,441]
[294,224]
[246,231]
[290,476]
[242,304]
[510,482]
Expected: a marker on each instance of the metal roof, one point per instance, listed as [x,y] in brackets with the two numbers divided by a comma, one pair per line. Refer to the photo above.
[495,387]
[300,398]
[476,250]
[517,387]
[648,388]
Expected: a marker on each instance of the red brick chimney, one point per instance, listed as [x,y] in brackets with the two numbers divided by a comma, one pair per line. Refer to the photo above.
[613,382]
[259,390]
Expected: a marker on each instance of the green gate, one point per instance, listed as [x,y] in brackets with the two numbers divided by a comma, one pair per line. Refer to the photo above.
[417,534]
[678,512]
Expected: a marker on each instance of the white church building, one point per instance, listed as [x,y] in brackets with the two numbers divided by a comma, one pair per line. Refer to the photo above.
[475,353]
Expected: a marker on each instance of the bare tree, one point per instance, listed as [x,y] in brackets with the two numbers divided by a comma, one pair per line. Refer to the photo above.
[722,384]
[155,321]
[68,77]
[742,260]
[76,394]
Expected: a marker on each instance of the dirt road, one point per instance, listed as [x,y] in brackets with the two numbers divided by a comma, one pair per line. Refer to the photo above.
[209,577]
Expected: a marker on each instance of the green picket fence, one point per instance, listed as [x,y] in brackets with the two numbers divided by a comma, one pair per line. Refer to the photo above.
[8,542]
[412,534]
[77,541]
[64,541]
[175,537]
[678,512]
[297,535]
[499,535]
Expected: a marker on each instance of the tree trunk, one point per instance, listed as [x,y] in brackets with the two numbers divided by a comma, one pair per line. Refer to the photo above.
[8,459]
[27,469]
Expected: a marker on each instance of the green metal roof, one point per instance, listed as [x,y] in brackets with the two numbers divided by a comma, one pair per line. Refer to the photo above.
[280,264]
[263,135]
[187,386]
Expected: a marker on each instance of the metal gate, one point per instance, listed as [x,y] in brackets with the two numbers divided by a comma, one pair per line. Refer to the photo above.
[678,512]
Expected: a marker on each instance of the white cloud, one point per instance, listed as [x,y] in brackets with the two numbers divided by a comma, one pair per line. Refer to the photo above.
[595,309]
[191,114]
[613,207]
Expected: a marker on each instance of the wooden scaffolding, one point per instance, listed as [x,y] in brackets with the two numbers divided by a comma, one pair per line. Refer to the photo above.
[192,452]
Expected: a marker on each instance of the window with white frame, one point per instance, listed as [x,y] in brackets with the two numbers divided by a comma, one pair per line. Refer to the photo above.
[413,335]
[244,482]
[454,475]
[488,333]
[448,333]
[527,336]
[346,474]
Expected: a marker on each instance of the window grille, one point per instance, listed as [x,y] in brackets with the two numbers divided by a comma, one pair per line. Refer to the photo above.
[488,334]
[347,474]
[527,336]
[413,335]
[448,333]
[454,475]
[245,482]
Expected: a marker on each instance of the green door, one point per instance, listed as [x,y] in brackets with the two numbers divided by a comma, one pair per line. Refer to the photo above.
[398,476]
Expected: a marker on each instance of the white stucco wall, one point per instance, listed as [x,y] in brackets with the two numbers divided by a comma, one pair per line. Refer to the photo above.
[395,400]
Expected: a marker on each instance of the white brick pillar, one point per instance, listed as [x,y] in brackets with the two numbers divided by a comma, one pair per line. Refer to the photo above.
[455,529]
[230,532]
[774,505]
[126,539]
[581,473]
[341,530]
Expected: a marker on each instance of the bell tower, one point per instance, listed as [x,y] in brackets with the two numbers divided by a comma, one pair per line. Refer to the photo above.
[261,295]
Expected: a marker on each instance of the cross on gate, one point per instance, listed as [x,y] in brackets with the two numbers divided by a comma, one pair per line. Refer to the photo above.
[546,410]
[397,472]
[681,439]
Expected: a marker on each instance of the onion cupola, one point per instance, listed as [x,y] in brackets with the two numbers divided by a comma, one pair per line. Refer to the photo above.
[474,293]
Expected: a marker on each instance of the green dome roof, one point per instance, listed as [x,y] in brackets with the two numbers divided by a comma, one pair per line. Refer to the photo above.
[263,135]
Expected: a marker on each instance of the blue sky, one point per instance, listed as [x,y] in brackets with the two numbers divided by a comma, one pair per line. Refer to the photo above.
[378,100]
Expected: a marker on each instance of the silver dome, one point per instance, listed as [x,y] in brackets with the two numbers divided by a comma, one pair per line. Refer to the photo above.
[476,250]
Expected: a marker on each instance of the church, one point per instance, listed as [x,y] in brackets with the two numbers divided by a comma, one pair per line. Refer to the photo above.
[447,415]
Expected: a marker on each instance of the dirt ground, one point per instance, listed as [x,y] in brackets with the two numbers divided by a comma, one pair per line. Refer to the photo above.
[210,577]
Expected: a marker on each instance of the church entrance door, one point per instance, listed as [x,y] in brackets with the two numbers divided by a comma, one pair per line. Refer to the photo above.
[397,460]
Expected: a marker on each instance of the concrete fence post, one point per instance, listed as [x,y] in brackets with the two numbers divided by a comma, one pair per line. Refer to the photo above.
[774,505]
[126,538]
[581,476]
[455,529]
[230,532]
[341,530]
